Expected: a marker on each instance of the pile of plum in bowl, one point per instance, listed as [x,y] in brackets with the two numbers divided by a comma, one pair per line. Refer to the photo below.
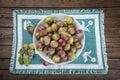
[58,39]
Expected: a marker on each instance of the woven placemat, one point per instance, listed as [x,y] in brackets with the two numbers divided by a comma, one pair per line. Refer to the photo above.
[92,59]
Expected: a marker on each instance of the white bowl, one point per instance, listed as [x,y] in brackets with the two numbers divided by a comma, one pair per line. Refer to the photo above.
[61,17]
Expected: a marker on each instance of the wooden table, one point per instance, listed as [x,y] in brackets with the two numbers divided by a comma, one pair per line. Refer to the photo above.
[112,35]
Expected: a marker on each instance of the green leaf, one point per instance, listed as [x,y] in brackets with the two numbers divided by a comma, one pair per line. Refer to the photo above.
[20,59]
[21,51]
[26,60]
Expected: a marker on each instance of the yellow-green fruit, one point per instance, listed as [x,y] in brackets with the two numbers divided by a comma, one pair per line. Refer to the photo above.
[54,27]
[73,49]
[31,46]
[70,40]
[41,40]
[55,36]
[47,40]
[49,29]
[78,45]
[71,56]
[65,33]
[25,46]
[39,49]
[61,29]
[69,20]
[65,24]
[54,44]
[31,52]
[67,47]
[56,58]
[49,20]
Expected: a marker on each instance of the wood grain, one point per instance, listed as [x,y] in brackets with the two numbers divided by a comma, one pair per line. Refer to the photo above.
[60,3]
[109,12]
[112,75]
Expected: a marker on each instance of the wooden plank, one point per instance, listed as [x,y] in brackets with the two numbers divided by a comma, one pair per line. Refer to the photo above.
[113,45]
[61,3]
[6,35]
[113,52]
[108,30]
[5,51]
[114,64]
[112,36]
[6,24]
[115,40]
[6,20]
[109,12]
[112,75]
[5,63]
[112,22]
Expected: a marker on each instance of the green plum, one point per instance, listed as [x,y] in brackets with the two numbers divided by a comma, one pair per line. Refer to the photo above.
[71,30]
[54,27]
[31,46]
[69,20]
[47,40]
[49,20]
[70,40]
[54,44]
[30,52]
[65,33]
[37,35]
[25,46]
[49,29]
[78,45]
[56,58]
[67,47]
[41,40]
[55,36]
[65,24]
[71,56]
[51,51]
[62,29]
[73,49]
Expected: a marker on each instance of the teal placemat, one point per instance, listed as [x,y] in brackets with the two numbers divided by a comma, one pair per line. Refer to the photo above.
[92,60]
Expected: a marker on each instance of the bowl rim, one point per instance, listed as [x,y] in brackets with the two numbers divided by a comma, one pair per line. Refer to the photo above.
[43,56]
